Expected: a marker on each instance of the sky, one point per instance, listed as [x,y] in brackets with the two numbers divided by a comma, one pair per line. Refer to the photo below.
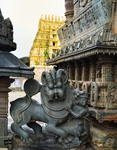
[25,15]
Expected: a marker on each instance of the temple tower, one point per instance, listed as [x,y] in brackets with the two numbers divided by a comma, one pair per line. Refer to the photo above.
[46,40]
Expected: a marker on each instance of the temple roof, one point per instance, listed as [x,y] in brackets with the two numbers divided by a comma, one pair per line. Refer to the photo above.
[6,34]
[10,65]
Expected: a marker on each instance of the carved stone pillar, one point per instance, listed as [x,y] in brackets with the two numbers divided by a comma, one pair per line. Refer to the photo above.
[65,66]
[67,69]
[92,71]
[107,72]
[69,9]
[4,84]
[106,68]
[77,70]
[85,71]
[71,70]
[115,73]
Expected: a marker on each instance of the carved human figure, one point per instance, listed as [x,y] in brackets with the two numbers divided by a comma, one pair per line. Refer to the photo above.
[76,127]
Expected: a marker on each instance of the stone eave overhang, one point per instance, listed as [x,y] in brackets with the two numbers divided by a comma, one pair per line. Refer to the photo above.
[18,72]
[103,115]
[8,46]
[11,66]
[84,53]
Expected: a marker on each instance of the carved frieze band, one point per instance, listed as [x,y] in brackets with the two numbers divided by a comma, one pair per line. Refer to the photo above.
[101,95]
[101,38]
[98,13]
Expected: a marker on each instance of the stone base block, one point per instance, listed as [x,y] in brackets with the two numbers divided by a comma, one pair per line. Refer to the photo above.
[103,138]
[97,148]
[6,142]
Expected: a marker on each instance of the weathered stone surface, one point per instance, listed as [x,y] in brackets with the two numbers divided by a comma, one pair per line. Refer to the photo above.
[10,65]
[90,31]
[5,139]
[89,44]
[90,16]
[6,34]
[64,110]
[104,137]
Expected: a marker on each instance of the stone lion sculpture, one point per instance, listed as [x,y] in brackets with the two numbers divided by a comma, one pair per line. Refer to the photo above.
[58,103]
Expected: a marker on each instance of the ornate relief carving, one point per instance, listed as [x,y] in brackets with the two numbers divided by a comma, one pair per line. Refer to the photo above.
[65,33]
[70,31]
[101,142]
[76,7]
[76,27]
[62,107]
[83,3]
[112,94]
[84,22]
[60,35]
[6,34]
[103,37]
[98,71]
[95,14]
[94,94]
[115,72]
[103,3]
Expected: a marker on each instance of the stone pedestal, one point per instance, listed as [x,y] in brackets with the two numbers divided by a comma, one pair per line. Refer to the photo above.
[104,138]
[5,139]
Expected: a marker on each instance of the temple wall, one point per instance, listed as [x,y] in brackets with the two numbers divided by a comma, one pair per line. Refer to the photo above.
[38,71]
[89,54]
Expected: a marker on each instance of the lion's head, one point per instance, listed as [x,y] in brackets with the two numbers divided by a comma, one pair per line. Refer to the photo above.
[54,83]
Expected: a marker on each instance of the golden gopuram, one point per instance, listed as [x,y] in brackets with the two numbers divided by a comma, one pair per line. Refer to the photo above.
[46,41]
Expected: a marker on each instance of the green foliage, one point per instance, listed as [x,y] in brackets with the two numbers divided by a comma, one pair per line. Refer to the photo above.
[41,45]
[46,54]
[47,45]
[37,63]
